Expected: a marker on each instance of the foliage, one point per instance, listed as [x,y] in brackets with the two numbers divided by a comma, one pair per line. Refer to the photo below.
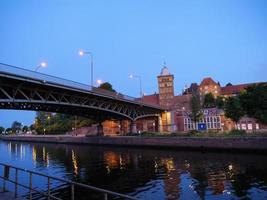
[196,113]
[236,132]
[16,126]
[60,123]
[209,101]
[219,102]
[107,86]
[233,108]
[9,130]
[25,128]
[2,130]
[229,84]
[254,102]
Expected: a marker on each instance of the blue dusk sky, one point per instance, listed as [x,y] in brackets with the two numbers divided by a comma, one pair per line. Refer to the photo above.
[223,39]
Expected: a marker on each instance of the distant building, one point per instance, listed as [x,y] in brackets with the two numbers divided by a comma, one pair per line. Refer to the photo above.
[166,87]
[177,115]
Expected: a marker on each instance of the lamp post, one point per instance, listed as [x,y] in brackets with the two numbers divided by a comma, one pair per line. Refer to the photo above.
[140,85]
[41,65]
[82,53]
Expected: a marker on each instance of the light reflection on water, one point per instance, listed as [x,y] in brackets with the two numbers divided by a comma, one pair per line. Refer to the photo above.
[143,173]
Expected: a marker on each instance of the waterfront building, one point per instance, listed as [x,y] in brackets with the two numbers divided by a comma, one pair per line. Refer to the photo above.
[177,114]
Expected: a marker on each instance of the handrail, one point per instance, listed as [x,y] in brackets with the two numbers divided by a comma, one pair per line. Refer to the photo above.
[47,194]
[26,73]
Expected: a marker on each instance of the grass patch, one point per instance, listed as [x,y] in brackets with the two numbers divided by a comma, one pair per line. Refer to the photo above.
[194,133]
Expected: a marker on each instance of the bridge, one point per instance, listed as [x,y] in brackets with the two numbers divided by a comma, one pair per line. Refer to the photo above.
[23,89]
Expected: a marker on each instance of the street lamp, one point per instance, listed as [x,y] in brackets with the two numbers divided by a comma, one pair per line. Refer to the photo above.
[41,65]
[140,85]
[82,53]
[99,82]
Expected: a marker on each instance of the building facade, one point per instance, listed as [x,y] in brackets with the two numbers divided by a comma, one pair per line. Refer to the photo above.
[177,114]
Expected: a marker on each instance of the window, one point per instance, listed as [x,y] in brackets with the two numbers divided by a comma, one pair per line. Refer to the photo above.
[257,126]
[249,126]
[243,127]
[206,87]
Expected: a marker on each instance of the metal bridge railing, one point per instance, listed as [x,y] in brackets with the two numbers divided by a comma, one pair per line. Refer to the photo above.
[6,178]
[45,78]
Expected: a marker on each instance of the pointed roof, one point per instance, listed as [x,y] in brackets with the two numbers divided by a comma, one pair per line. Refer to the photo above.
[164,71]
[208,81]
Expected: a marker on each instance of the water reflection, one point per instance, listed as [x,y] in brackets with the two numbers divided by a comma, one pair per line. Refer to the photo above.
[148,174]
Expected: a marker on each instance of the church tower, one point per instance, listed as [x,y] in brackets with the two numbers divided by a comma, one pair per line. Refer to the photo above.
[166,88]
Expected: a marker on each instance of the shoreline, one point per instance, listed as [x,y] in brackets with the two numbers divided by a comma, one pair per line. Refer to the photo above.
[248,144]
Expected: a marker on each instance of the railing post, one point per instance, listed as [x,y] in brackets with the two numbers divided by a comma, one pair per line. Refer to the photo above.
[105,196]
[4,181]
[30,186]
[16,183]
[6,177]
[48,188]
[72,191]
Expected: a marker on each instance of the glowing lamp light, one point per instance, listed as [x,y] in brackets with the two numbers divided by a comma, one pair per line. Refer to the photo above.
[99,82]
[81,53]
[43,64]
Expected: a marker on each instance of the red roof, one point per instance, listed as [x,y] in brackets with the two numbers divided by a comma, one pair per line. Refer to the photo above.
[208,81]
[151,99]
[234,89]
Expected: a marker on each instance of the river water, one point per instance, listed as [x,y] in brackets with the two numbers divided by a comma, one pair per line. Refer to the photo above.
[140,172]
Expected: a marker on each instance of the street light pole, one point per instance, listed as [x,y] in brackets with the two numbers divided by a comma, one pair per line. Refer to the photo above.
[81,53]
[42,64]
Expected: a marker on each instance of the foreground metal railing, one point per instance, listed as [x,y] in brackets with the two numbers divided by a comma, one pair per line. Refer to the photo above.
[47,194]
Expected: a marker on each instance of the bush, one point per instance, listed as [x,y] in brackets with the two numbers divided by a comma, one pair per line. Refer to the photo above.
[236,132]
[193,133]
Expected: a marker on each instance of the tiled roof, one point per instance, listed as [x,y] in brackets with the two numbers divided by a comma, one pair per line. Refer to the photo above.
[234,89]
[151,99]
[208,81]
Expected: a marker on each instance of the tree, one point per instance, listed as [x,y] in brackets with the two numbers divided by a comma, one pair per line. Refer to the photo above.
[229,84]
[233,109]
[16,126]
[209,101]
[2,130]
[219,102]
[107,86]
[195,106]
[254,102]
[25,128]
[9,130]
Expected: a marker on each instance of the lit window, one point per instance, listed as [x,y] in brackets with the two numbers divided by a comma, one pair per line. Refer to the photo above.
[216,91]
[243,127]
[249,126]
[206,87]
[215,86]
[257,126]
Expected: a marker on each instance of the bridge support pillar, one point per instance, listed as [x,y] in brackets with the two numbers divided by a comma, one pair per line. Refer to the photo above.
[133,127]
[100,129]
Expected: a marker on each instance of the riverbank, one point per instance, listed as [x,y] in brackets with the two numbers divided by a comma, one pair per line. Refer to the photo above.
[258,144]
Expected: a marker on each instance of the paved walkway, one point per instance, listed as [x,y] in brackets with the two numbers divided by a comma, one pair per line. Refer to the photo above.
[9,196]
